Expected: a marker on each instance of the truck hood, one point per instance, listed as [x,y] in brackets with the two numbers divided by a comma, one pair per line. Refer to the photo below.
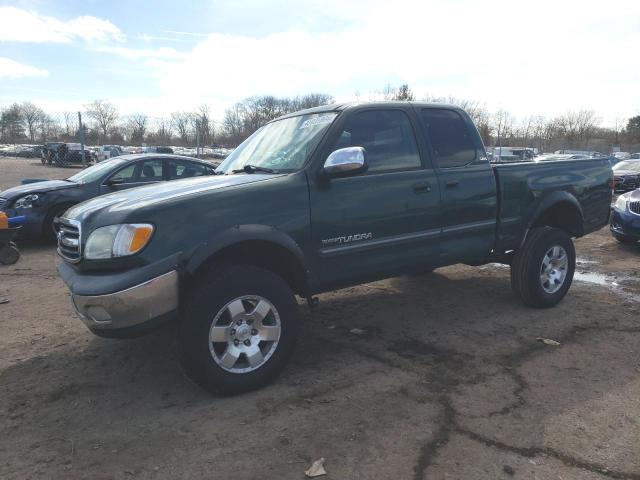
[162,192]
[36,187]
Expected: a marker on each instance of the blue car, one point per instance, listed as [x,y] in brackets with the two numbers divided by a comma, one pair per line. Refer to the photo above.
[625,217]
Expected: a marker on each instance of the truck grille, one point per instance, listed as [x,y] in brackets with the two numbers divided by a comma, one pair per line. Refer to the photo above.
[69,240]
[634,207]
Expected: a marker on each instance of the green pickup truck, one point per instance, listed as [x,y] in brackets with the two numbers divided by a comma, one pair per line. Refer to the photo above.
[315,201]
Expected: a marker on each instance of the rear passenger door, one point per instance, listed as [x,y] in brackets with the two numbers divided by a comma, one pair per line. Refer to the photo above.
[380,221]
[467,185]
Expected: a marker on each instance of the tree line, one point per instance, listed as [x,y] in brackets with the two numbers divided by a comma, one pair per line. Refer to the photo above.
[103,124]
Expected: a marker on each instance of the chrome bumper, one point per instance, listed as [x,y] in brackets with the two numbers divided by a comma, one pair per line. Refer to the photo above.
[130,307]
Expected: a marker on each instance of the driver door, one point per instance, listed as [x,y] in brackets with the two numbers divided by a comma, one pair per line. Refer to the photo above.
[383,220]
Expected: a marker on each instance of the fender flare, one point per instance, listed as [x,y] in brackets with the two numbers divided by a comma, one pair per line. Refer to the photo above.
[548,202]
[242,233]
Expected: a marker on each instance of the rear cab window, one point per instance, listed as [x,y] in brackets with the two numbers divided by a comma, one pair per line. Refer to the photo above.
[450,137]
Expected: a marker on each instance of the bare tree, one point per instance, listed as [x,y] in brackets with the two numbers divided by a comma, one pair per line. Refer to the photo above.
[503,126]
[137,126]
[181,123]
[31,115]
[104,114]
[70,123]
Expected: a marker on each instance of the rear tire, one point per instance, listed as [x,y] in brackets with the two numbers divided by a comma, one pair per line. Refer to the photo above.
[542,269]
[624,239]
[228,348]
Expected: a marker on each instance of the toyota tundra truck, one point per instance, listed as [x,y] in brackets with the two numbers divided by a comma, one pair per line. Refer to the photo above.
[315,201]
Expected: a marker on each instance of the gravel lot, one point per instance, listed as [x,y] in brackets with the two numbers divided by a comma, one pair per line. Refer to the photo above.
[447,380]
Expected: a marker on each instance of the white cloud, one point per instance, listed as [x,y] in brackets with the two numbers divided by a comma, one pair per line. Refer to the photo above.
[531,58]
[12,69]
[19,25]
[143,53]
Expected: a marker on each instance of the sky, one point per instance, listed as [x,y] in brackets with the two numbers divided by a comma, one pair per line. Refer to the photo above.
[529,57]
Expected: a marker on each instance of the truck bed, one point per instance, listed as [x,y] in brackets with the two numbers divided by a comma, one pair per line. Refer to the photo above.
[524,188]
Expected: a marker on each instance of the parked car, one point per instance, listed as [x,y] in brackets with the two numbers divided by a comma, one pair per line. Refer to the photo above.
[635,156]
[108,151]
[622,155]
[626,175]
[625,217]
[64,154]
[41,202]
[157,150]
[552,157]
[313,201]
[48,152]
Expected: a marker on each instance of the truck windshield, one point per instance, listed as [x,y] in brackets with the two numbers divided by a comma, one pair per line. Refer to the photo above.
[282,146]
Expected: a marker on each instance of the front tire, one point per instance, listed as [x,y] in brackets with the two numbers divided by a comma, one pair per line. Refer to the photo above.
[239,329]
[48,227]
[542,269]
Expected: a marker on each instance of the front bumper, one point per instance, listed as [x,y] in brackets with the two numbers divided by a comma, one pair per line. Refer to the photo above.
[625,223]
[126,303]
[131,308]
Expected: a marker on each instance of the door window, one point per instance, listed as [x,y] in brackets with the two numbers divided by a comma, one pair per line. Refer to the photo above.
[450,137]
[183,169]
[386,135]
[145,171]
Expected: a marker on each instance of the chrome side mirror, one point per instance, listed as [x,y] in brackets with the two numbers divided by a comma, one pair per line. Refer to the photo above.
[345,161]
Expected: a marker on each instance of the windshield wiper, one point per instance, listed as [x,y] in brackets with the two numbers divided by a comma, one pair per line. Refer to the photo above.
[252,169]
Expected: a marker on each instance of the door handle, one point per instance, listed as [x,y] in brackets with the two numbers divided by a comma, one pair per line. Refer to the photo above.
[452,183]
[421,187]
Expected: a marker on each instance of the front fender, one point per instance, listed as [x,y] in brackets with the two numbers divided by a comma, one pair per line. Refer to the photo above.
[241,233]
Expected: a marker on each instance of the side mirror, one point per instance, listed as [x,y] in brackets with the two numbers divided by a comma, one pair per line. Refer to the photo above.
[345,161]
[114,181]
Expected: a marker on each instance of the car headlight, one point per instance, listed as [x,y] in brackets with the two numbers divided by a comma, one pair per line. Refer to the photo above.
[621,203]
[117,240]
[26,202]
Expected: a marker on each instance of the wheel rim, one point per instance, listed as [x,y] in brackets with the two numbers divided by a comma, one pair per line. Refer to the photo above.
[553,270]
[244,334]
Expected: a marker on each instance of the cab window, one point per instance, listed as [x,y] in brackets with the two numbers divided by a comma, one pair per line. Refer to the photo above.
[387,137]
[450,138]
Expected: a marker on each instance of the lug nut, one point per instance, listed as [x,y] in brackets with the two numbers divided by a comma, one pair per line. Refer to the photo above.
[254,332]
[247,342]
[236,342]
[239,322]
[233,331]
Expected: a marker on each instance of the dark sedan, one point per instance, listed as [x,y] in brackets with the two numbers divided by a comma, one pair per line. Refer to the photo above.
[42,201]
[626,175]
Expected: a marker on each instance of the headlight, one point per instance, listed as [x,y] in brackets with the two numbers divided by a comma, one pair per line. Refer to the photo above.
[26,202]
[118,240]
[621,203]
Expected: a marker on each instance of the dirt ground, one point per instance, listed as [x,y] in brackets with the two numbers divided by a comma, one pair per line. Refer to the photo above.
[447,381]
